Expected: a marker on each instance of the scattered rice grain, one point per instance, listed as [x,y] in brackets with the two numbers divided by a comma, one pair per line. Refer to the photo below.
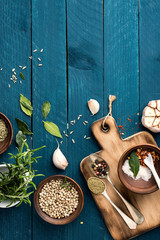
[40,65]
[39,59]
[35,50]
[71,132]
[41,50]
[23,67]
[88,138]
[73,140]
[30,57]
[84,136]
[9,85]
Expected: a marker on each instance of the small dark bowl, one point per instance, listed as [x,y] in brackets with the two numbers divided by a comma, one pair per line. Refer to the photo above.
[138,186]
[61,221]
[7,142]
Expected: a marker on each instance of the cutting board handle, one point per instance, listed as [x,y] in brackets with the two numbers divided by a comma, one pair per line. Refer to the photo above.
[112,134]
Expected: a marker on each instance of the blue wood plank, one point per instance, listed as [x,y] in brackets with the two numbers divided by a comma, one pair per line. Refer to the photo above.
[121,63]
[15,42]
[149,66]
[85,81]
[49,84]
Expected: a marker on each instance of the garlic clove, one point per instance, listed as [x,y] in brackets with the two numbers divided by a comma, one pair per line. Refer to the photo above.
[157,113]
[158,105]
[152,104]
[147,121]
[148,112]
[93,106]
[59,159]
[155,122]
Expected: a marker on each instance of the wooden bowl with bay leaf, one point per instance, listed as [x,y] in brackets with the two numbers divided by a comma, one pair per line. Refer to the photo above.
[6,133]
[58,199]
[145,183]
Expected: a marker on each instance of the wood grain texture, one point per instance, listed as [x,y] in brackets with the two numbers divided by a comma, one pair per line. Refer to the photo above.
[15,42]
[149,34]
[112,154]
[85,81]
[49,84]
[121,71]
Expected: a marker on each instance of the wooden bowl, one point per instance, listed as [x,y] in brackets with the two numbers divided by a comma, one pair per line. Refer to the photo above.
[138,186]
[7,142]
[61,221]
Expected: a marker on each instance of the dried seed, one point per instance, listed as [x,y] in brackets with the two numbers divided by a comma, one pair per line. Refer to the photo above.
[73,140]
[35,50]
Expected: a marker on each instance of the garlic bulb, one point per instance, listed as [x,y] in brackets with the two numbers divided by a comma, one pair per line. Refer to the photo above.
[93,106]
[151,116]
[59,159]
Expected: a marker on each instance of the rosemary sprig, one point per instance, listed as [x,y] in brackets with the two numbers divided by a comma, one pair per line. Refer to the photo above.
[66,184]
[15,182]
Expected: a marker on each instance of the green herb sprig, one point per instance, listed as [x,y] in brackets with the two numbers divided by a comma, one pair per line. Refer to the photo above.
[18,179]
[66,184]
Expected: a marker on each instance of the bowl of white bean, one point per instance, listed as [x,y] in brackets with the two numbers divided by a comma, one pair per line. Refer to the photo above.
[58,199]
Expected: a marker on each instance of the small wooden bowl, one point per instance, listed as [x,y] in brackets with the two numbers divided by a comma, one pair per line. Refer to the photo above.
[138,186]
[61,221]
[7,142]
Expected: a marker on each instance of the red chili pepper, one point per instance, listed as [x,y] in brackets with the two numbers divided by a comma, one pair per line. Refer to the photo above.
[121,127]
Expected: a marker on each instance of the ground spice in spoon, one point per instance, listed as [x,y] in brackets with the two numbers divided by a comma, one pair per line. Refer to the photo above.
[96,185]
[3,131]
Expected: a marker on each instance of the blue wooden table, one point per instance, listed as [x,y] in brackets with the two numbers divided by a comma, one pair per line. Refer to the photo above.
[91,48]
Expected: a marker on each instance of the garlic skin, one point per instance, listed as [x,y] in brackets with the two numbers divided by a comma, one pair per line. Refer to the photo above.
[151,116]
[59,159]
[93,106]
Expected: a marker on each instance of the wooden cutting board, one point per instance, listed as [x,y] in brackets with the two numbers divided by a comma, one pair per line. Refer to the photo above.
[149,205]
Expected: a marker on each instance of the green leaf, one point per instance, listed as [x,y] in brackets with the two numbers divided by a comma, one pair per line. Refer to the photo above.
[19,138]
[21,75]
[52,128]
[46,109]
[23,126]
[26,105]
[134,163]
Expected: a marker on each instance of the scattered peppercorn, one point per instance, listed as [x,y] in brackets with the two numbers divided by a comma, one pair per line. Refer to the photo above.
[100,168]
